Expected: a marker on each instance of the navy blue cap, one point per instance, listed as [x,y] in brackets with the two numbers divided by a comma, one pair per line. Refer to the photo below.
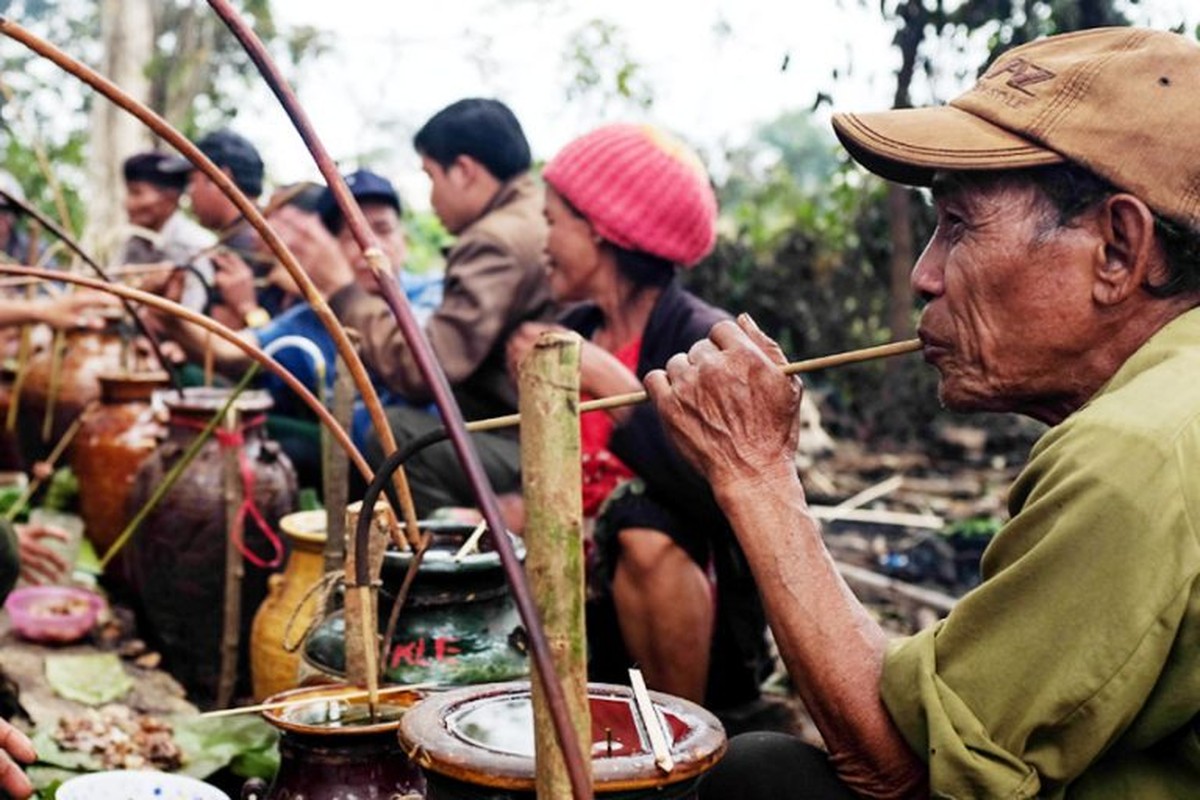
[149,168]
[227,149]
[365,186]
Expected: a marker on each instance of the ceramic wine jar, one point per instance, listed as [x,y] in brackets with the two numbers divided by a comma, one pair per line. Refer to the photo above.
[177,558]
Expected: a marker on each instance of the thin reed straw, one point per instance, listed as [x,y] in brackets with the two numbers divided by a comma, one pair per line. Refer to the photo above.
[794,368]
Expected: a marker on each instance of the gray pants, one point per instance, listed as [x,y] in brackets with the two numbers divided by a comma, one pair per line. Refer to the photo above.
[435,475]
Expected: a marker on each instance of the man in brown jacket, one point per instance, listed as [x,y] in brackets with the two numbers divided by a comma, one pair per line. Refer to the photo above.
[478,159]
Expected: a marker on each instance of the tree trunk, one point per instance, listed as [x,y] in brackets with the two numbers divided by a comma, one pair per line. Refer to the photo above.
[127,37]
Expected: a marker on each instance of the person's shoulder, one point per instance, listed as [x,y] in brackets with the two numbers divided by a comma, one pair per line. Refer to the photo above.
[682,313]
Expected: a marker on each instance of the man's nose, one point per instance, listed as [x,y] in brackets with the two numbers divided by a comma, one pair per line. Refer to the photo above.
[927,274]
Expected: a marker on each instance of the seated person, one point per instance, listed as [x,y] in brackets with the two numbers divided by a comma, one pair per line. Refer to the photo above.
[478,160]
[381,206]
[628,205]
[163,233]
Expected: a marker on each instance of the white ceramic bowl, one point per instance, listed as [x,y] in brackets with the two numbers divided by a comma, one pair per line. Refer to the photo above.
[137,785]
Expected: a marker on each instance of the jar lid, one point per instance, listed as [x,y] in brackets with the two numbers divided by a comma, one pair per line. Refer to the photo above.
[338,709]
[483,735]
[129,387]
[196,399]
[441,557]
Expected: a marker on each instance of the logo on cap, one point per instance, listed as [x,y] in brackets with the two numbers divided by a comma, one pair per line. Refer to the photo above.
[1021,74]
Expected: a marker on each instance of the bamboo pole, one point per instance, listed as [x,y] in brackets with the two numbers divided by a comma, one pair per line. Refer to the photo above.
[551,474]
[362,612]
[63,443]
[235,570]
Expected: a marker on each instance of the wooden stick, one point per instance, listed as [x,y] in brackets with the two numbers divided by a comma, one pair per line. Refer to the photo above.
[235,570]
[653,725]
[303,701]
[794,368]
[472,542]
[551,473]
[50,461]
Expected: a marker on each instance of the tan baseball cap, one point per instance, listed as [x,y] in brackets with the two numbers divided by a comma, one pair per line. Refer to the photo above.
[1122,102]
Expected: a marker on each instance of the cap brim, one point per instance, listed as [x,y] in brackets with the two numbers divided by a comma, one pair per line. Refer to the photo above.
[908,145]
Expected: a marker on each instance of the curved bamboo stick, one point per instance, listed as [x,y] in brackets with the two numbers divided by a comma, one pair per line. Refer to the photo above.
[794,368]
[451,415]
[577,768]
[162,304]
[248,210]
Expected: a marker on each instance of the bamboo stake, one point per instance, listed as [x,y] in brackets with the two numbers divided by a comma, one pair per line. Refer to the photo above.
[57,347]
[24,352]
[235,570]
[362,613]
[794,368]
[261,358]
[551,472]
[50,461]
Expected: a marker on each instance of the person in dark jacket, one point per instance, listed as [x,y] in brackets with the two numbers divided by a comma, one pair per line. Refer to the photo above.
[666,564]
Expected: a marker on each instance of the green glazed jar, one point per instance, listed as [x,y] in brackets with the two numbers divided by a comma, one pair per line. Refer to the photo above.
[459,626]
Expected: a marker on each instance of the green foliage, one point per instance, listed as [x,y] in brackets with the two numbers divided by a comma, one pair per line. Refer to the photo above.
[804,250]
[427,239]
[602,68]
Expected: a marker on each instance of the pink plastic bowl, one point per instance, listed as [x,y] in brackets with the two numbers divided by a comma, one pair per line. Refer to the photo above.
[58,614]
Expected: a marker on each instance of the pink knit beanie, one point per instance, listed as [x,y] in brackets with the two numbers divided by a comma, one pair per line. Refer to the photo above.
[641,189]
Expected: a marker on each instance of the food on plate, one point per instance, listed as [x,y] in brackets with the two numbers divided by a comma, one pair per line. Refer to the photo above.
[120,738]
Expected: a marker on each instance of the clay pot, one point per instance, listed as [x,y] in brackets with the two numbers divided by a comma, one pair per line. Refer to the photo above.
[459,626]
[287,613]
[177,557]
[477,743]
[86,355]
[351,758]
[115,437]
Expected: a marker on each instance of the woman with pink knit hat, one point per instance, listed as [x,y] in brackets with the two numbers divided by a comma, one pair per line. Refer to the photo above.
[627,207]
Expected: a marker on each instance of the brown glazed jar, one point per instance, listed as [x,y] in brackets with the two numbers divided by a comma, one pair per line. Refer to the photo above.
[477,743]
[85,355]
[115,437]
[177,557]
[331,750]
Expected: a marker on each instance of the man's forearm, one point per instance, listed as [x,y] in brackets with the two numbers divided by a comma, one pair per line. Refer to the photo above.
[832,647]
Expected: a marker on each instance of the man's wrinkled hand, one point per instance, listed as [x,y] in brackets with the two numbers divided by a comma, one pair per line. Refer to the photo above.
[727,404]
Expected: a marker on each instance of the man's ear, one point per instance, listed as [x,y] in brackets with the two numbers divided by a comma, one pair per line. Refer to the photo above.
[1130,258]
[465,171]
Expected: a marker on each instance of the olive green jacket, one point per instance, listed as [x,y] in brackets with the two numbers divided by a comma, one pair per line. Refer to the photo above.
[1073,671]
